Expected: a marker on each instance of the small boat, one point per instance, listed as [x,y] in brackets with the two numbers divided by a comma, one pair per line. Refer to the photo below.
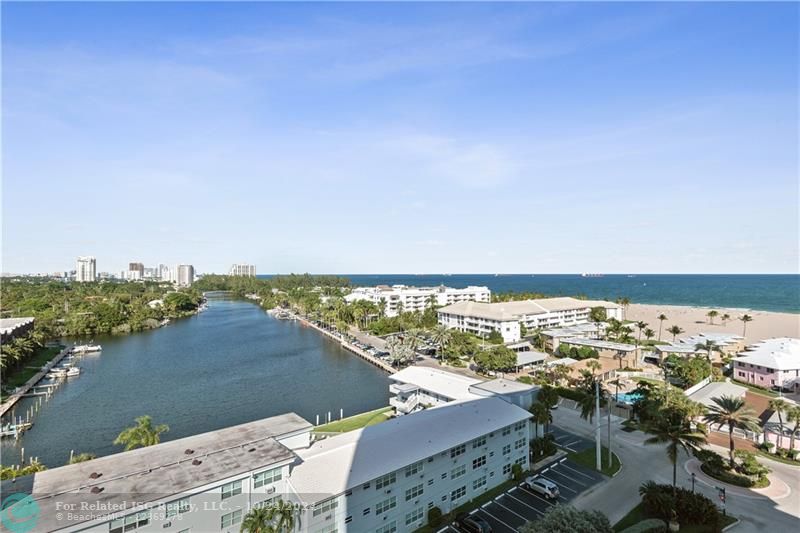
[13,430]
[57,373]
[84,348]
[74,371]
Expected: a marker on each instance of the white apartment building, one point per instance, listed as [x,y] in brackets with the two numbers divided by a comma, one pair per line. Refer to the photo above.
[383,477]
[243,270]
[405,298]
[164,273]
[86,269]
[184,275]
[507,317]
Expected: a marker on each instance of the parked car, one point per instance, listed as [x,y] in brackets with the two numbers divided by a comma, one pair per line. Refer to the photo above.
[541,486]
[472,524]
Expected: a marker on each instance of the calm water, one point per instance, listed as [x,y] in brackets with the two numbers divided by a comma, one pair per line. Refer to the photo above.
[229,365]
[762,292]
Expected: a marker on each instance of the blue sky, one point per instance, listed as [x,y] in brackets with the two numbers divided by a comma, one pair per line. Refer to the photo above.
[365,138]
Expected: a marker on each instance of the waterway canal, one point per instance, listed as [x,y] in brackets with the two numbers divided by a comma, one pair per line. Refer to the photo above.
[229,365]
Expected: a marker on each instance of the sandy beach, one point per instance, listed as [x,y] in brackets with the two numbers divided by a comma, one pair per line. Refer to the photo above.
[694,320]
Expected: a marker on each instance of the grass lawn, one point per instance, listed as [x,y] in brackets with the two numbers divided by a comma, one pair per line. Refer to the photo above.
[778,458]
[587,458]
[469,506]
[24,373]
[756,390]
[356,422]
[637,514]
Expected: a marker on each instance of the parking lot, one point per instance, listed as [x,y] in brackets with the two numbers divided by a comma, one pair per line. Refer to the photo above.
[507,512]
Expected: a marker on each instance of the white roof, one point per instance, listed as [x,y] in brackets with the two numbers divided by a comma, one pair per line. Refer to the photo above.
[722,339]
[447,384]
[779,354]
[574,330]
[562,361]
[8,325]
[336,464]
[603,345]
[527,358]
[501,386]
[504,311]
[677,348]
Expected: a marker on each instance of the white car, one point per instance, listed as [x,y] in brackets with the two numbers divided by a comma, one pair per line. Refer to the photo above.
[541,486]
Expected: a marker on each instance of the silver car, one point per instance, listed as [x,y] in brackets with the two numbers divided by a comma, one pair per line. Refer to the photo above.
[541,486]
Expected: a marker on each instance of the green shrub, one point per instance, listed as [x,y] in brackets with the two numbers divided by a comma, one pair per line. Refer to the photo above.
[434,517]
[543,446]
[749,464]
[651,525]
[517,472]
[527,380]
[660,501]
[570,394]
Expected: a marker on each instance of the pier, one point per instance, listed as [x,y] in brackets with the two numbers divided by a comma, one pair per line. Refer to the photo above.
[347,346]
[25,389]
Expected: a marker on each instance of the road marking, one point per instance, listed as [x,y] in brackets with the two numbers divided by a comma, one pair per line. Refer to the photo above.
[501,522]
[571,480]
[525,504]
[545,500]
[512,511]
[587,476]
[573,491]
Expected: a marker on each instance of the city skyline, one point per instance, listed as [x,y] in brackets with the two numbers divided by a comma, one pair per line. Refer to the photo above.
[344,139]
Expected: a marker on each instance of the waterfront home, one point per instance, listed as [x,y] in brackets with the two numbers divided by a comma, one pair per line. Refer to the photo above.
[729,343]
[12,328]
[508,318]
[384,477]
[772,363]
[589,330]
[405,298]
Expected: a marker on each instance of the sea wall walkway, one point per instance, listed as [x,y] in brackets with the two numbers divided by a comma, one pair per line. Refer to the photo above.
[22,390]
[347,345]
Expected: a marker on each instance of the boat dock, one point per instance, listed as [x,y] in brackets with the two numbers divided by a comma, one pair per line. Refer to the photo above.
[25,389]
[348,346]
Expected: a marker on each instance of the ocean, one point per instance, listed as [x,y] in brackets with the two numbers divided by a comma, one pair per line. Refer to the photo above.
[763,292]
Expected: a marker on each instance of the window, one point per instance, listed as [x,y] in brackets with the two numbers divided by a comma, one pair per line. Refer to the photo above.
[385,481]
[477,443]
[388,528]
[265,478]
[520,461]
[479,462]
[414,492]
[231,519]
[348,519]
[519,444]
[444,475]
[460,492]
[325,505]
[177,507]
[231,489]
[507,449]
[430,505]
[430,482]
[458,471]
[365,486]
[414,516]
[458,450]
[507,469]
[129,523]
[478,483]
[366,511]
[416,468]
[386,505]
[519,426]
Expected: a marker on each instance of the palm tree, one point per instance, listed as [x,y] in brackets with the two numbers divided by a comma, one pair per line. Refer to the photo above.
[640,325]
[541,415]
[733,412]
[661,318]
[711,315]
[649,333]
[548,396]
[745,319]
[675,331]
[441,337]
[708,347]
[676,435]
[141,435]
[725,317]
[594,365]
[257,521]
[779,405]
[793,415]
[81,457]
[284,515]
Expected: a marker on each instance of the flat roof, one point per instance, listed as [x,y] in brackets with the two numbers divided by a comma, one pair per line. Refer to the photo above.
[157,472]
[502,386]
[527,358]
[781,353]
[676,348]
[716,389]
[722,339]
[562,361]
[503,311]
[596,343]
[571,331]
[333,465]
[447,384]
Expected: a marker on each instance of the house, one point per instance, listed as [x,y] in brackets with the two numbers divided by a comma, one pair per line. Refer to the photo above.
[773,363]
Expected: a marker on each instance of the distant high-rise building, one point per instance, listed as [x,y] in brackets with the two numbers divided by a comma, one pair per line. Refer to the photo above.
[136,267]
[164,273]
[243,270]
[150,273]
[184,275]
[86,269]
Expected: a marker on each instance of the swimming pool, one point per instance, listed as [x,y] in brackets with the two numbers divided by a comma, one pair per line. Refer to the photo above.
[628,397]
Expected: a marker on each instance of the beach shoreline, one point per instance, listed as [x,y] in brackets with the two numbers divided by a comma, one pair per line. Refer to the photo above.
[694,320]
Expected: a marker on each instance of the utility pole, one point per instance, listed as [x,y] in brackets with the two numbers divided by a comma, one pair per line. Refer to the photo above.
[597,426]
[608,410]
